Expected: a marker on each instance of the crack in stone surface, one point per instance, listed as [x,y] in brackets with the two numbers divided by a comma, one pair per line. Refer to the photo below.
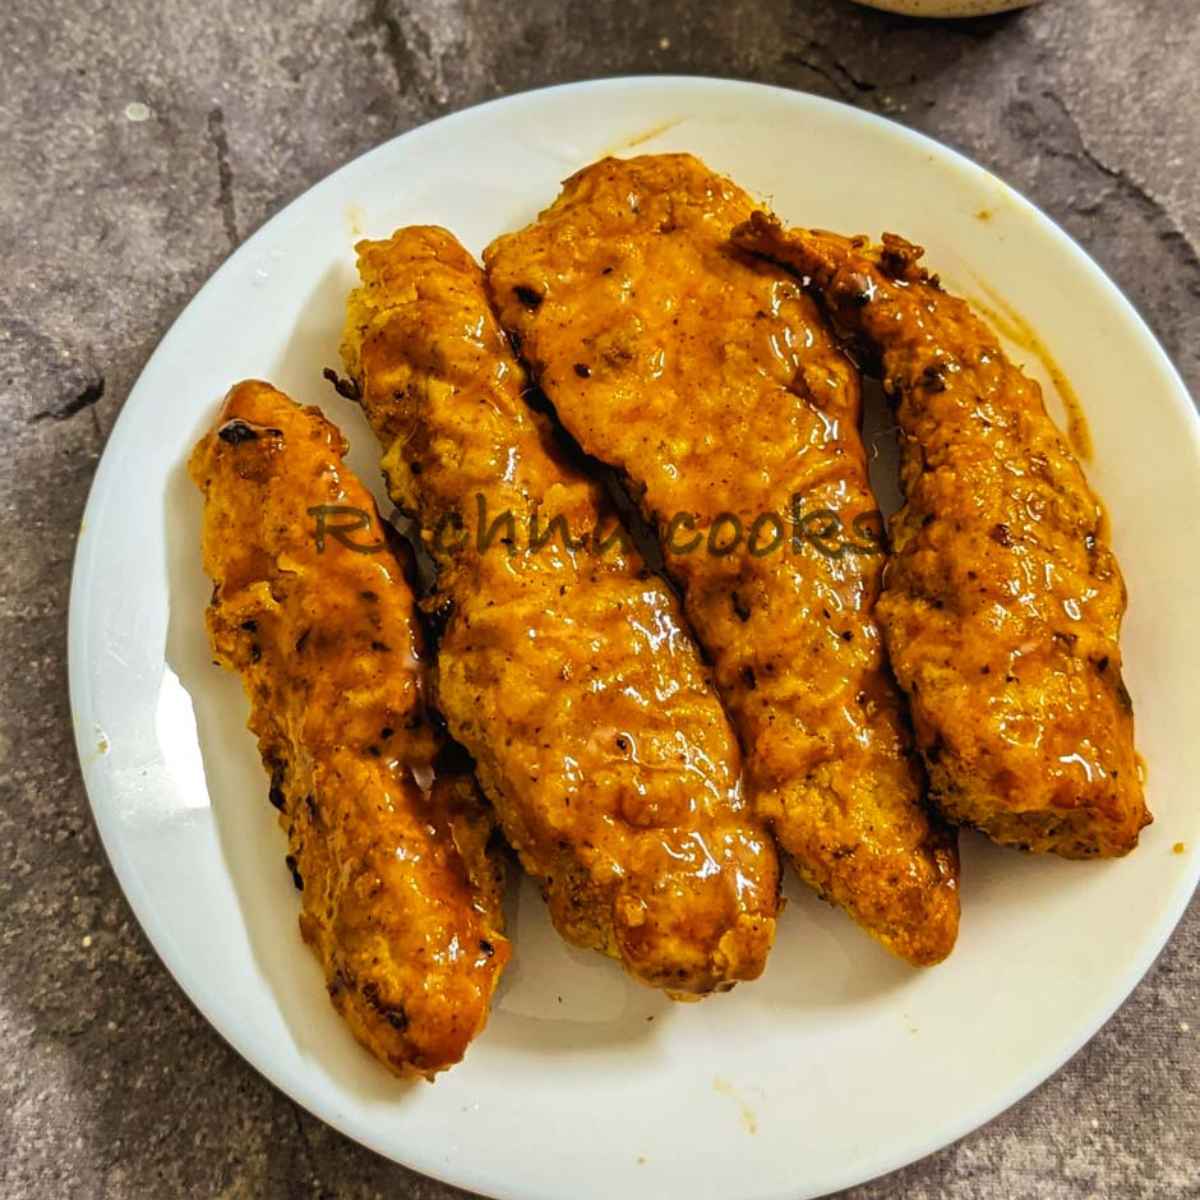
[1083,153]
[89,397]
[395,45]
[838,84]
[798,60]
[220,142]
[816,55]
[408,48]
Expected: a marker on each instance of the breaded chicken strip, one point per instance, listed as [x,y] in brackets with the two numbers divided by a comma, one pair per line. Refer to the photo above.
[400,896]
[1002,602]
[709,379]
[565,671]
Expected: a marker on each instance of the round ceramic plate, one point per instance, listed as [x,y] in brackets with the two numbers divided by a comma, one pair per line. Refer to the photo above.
[841,1062]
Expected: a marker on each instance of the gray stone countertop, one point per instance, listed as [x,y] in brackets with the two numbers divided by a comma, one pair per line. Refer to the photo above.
[139,143]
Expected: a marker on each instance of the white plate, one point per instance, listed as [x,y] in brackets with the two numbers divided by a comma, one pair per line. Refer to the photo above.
[840,1063]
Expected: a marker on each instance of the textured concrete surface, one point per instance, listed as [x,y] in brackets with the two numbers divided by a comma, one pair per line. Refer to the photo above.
[139,142]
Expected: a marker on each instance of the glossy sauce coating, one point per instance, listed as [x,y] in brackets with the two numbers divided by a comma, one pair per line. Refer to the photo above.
[400,898]
[566,672]
[1002,602]
[709,379]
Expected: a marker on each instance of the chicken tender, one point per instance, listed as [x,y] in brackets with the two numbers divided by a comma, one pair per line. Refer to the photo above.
[709,379]
[400,896]
[1002,601]
[564,666]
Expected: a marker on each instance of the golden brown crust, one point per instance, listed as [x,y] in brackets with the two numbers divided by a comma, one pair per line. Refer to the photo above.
[400,897]
[709,379]
[1002,602]
[566,672]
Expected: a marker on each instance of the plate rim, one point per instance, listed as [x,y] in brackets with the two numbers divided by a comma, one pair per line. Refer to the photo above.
[294,1084]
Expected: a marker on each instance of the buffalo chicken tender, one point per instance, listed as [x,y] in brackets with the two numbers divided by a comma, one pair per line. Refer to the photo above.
[563,666]
[709,379]
[400,899]
[1002,602]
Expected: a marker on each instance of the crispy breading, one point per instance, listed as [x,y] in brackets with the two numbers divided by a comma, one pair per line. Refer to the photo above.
[1002,601]
[709,379]
[565,670]
[400,896]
